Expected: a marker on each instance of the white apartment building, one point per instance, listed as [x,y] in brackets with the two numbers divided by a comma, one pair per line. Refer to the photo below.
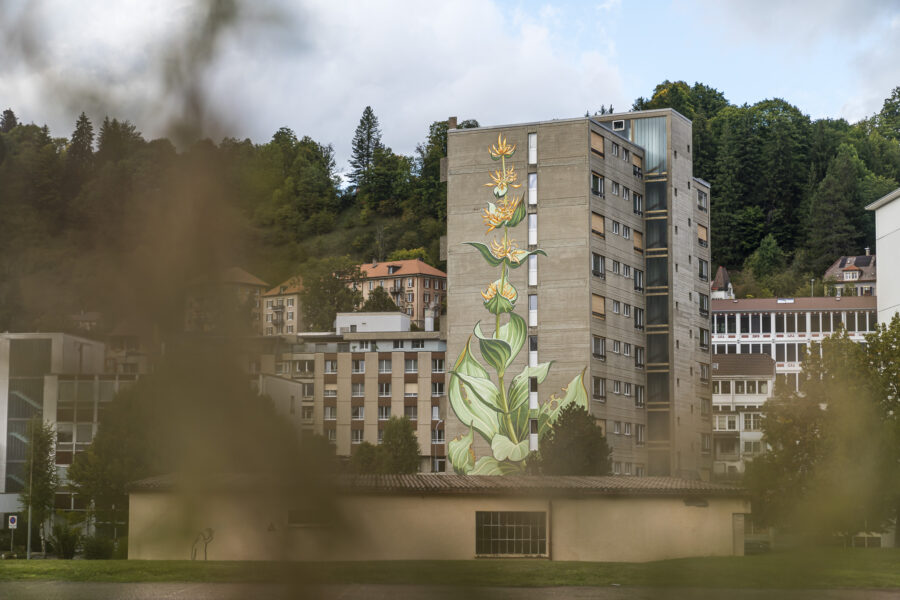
[887,241]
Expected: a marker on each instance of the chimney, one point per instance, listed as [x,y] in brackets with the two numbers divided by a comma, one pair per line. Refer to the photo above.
[374,262]
[451,123]
[867,251]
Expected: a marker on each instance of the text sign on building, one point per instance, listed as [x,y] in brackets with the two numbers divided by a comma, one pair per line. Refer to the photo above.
[13,521]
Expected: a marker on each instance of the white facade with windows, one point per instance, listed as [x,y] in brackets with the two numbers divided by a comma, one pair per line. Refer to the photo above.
[887,243]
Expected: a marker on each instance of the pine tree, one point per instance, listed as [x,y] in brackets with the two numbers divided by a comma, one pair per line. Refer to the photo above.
[365,141]
[8,121]
[80,155]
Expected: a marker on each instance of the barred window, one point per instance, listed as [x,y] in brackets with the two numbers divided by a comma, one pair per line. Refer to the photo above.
[515,533]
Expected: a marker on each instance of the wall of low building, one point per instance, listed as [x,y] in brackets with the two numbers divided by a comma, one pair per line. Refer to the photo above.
[430,527]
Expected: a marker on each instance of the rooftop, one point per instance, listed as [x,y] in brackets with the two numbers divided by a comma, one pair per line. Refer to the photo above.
[722,280]
[886,199]
[865,264]
[231,275]
[725,365]
[294,285]
[443,484]
[406,267]
[795,304]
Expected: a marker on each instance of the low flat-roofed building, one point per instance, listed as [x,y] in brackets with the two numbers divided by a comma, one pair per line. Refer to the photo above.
[441,517]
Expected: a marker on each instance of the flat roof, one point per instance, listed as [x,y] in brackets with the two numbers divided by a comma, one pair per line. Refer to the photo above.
[445,484]
[795,304]
[886,199]
[550,122]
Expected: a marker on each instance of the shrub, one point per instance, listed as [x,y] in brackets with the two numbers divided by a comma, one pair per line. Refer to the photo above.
[65,540]
[121,551]
[98,548]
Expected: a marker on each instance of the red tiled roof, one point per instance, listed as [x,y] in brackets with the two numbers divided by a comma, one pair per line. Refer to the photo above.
[294,285]
[407,267]
[722,279]
[795,304]
[231,275]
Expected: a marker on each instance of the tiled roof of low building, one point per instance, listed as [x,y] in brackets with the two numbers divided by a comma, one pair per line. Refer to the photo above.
[406,267]
[722,281]
[231,275]
[443,484]
[753,365]
[794,304]
[294,285]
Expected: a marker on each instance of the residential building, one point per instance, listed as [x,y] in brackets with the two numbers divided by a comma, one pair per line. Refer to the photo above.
[623,294]
[227,301]
[852,276]
[721,288]
[414,285]
[783,328]
[741,384]
[281,312]
[887,242]
[132,348]
[57,377]
[346,384]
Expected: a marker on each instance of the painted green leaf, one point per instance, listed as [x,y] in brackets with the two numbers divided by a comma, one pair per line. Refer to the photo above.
[484,390]
[503,448]
[470,411]
[514,333]
[496,353]
[519,257]
[518,215]
[488,465]
[486,253]
[460,452]
[575,393]
[499,303]
[518,389]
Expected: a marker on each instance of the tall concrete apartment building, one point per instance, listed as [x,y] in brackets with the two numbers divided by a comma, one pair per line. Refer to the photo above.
[624,290]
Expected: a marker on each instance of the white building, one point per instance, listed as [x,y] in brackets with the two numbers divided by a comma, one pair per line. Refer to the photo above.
[887,242]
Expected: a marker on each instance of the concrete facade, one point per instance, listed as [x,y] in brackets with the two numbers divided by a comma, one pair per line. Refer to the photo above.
[658,427]
[887,245]
[593,519]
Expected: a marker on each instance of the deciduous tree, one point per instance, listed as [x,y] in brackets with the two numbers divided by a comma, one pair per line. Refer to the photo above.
[575,446]
[39,474]
[398,452]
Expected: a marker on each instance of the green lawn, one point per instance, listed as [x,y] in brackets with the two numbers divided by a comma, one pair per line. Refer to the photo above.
[809,568]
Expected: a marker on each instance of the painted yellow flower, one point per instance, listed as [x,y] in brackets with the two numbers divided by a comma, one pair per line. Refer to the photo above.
[501,181]
[508,250]
[501,148]
[509,292]
[505,212]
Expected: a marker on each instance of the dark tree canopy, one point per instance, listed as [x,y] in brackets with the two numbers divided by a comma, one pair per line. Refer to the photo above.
[379,301]
[366,141]
[575,446]
[330,286]
[398,452]
[8,121]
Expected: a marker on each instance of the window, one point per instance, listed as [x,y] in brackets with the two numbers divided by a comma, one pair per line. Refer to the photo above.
[356,436]
[306,413]
[598,265]
[331,366]
[532,229]
[627,389]
[617,389]
[626,232]
[617,347]
[617,267]
[702,236]
[330,392]
[599,389]
[532,343]
[615,227]
[704,270]
[627,429]
[705,443]
[410,282]
[599,347]
[617,307]
[309,390]
[398,344]
[410,298]
[427,283]
[626,271]
[532,148]
[598,224]
[437,436]
[290,329]
[597,184]
[411,412]
[332,435]
[532,270]
[639,357]
[359,366]
[597,143]
[617,427]
[626,193]
[704,339]
[427,297]
[639,397]
[411,365]
[358,413]
[626,310]
[626,349]
[638,280]
[268,304]
[532,310]
[437,388]
[359,390]
[269,331]
[330,413]
[384,365]
[637,203]
[384,413]
[437,365]
[598,306]
[702,200]
[626,154]
[510,533]
[290,316]
[364,345]
[269,318]
[615,185]
[752,421]
[704,305]
[704,372]
[384,390]
[418,344]
[532,189]
[615,149]
[343,347]
[435,413]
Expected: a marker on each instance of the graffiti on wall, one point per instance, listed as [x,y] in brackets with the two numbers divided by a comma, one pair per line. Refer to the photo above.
[493,405]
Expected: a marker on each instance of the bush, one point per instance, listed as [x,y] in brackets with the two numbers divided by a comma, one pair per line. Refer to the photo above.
[65,540]
[98,548]
[121,551]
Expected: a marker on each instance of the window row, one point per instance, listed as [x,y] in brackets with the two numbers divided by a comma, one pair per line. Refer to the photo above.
[410,365]
[751,421]
[622,388]
[598,227]
[358,413]
[279,302]
[741,386]
[598,269]
[625,428]
[598,309]
[619,468]
[795,322]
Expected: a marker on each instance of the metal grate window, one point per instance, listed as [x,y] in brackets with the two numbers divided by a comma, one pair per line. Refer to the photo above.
[516,533]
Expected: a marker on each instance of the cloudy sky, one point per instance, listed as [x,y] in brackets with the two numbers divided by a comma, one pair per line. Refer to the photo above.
[313,65]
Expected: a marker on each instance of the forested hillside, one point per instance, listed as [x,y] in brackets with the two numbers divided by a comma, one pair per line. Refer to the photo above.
[106,220]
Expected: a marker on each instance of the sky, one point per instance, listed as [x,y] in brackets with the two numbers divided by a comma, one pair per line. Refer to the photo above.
[314,65]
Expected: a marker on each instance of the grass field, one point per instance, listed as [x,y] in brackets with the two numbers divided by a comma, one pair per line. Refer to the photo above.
[809,568]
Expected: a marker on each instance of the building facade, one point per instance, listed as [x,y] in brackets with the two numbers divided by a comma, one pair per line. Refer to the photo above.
[887,241]
[281,312]
[741,384]
[852,276]
[414,286]
[224,302]
[345,385]
[623,294]
[783,328]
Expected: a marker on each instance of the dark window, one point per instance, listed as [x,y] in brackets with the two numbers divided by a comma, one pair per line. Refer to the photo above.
[657,272]
[655,195]
[656,233]
[516,533]
[657,310]
[658,348]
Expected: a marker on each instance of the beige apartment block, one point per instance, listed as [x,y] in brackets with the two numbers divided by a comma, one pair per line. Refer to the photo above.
[624,291]
[414,285]
[281,312]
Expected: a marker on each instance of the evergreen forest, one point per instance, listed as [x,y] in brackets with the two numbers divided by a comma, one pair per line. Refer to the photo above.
[106,220]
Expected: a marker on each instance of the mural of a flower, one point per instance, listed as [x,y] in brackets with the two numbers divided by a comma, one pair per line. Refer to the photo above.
[500,412]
